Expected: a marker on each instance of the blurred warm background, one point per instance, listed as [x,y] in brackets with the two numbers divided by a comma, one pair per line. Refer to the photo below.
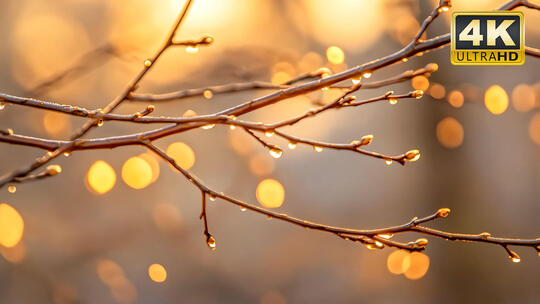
[119,226]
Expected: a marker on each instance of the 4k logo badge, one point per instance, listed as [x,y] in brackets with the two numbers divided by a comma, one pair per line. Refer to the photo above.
[487,38]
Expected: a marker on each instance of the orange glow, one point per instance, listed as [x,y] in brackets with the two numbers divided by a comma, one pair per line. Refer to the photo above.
[152,160]
[167,217]
[449,132]
[496,99]
[270,193]
[261,165]
[56,124]
[534,129]
[358,26]
[394,262]
[182,154]
[456,99]
[157,273]
[101,177]
[241,142]
[137,173]
[437,91]
[109,272]
[310,62]
[14,254]
[420,83]
[281,77]
[523,98]
[57,38]
[11,226]
[415,265]
[335,55]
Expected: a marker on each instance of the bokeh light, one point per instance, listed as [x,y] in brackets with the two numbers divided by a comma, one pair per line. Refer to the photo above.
[136,173]
[456,98]
[394,262]
[157,273]
[154,163]
[261,164]
[358,26]
[449,132]
[311,61]
[56,124]
[241,143]
[182,154]
[167,217]
[109,271]
[437,91]
[534,128]
[11,226]
[523,98]
[15,254]
[496,99]
[415,265]
[420,83]
[56,37]
[270,193]
[101,177]
[335,55]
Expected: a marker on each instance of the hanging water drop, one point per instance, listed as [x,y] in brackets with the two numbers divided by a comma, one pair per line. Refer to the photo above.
[12,189]
[211,242]
[275,152]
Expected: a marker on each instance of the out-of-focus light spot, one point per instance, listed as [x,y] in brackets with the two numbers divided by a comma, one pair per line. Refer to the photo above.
[536,89]
[152,160]
[56,124]
[11,226]
[395,261]
[124,292]
[403,26]
[167,217]
[281,77]
[137,173]
[273,297]
[62,294]
[241,143]
[471,92]
[113,276]
[101,177]
[318,18]
[534,128]
[523,98]
[157,273]
[270,193]
[57,38]
[449,132]
[14,254]
[415,265]
[310,62]
[283,66]
[109,272]
[182,154]
[437,91]
[456,99]
[261,165]
[335,55]
[420,83]
[496,99]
